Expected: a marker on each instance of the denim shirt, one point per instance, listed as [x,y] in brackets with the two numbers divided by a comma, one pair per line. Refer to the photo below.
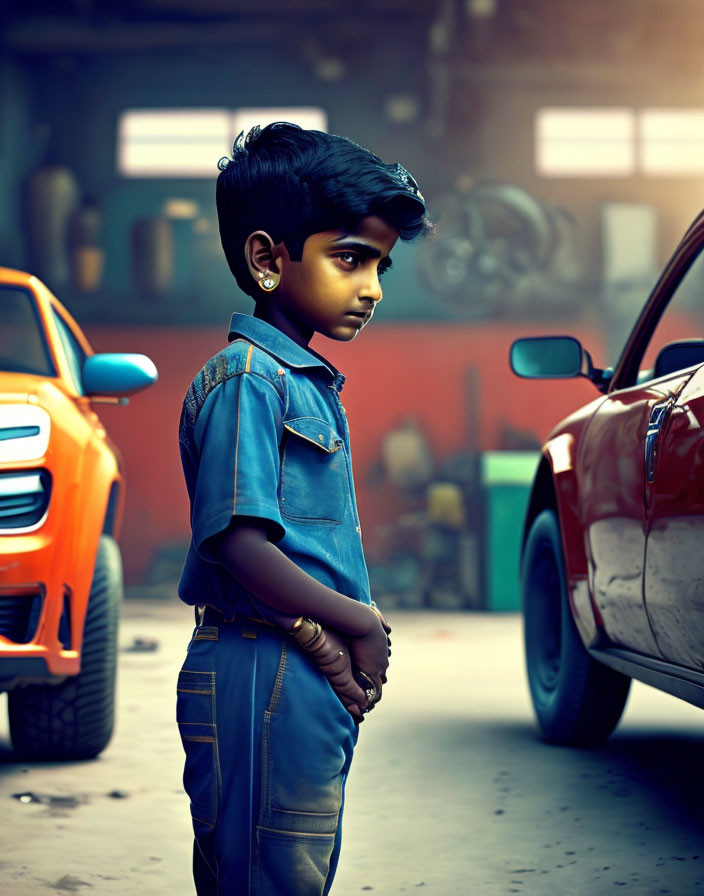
[263,433]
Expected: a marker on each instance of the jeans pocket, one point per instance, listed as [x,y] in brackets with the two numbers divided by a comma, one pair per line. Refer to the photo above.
[293,862]
[195,714]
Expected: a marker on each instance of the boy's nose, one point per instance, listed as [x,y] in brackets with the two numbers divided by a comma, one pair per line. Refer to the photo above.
[372,291]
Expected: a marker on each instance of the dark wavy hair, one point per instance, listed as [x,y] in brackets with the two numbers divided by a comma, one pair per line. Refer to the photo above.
[292,183]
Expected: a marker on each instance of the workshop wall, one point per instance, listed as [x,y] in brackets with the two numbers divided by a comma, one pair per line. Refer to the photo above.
[73,117]
[393,372]
[442,362]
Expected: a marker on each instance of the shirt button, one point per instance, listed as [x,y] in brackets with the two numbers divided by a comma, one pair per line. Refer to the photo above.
[321,438]
[359,529]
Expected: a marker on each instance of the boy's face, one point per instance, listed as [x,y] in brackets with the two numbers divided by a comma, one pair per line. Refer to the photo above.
[335,287]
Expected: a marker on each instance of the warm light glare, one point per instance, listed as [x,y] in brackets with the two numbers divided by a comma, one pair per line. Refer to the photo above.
[585,142]
[181,209]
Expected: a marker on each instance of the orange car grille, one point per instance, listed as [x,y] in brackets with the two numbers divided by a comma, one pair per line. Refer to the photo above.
[24,498]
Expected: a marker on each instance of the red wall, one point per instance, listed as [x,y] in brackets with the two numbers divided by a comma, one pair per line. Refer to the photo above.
[393,371]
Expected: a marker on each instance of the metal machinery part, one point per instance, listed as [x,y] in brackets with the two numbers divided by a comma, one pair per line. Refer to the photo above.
[497,249]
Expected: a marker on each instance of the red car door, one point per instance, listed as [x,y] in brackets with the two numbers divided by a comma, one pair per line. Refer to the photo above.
[674,568]
[636,466]
[674,490]
[611,469]
[661,380]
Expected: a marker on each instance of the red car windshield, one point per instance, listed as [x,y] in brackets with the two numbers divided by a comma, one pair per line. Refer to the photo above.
[23,347]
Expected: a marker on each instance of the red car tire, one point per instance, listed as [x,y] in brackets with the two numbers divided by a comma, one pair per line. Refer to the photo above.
[577,700]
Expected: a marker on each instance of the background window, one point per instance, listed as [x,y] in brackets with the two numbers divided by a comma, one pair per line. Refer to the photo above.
[172,142]
[585,142]
[189,142]
[672,141]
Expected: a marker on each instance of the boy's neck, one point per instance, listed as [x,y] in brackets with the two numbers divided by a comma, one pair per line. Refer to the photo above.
[273,315]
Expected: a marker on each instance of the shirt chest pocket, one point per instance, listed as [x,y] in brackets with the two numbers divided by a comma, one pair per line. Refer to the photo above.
[314,481]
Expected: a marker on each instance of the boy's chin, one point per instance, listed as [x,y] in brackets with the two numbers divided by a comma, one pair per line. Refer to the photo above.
[343,334]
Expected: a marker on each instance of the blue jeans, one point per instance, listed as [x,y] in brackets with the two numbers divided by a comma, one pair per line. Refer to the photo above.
[268,748]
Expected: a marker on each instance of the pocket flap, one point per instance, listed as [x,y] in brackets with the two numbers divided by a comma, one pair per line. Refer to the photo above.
[316,431]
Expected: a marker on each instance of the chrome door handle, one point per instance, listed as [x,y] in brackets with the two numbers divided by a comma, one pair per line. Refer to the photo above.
[658,414]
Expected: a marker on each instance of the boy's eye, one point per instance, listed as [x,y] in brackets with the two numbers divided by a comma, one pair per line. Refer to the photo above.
[349,258]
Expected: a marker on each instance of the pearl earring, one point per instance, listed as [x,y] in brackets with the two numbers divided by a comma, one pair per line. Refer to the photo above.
[266,281]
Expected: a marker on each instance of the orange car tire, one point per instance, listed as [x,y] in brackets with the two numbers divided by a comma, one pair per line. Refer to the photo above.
[75,719]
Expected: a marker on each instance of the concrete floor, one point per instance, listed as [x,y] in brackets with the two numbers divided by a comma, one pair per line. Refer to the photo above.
[451,792]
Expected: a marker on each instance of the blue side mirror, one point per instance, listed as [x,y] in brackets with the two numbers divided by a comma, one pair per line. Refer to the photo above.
[539,357]
[117,373]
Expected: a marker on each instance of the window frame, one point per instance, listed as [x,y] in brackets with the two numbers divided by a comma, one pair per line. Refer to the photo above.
[72,349]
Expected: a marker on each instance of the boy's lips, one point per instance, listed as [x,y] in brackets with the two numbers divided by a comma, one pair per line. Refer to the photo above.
[359,315]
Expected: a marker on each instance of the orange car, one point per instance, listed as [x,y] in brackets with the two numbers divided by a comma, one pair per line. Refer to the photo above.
[61,501]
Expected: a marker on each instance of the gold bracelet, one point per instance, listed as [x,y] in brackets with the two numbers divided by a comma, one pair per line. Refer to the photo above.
[307,633]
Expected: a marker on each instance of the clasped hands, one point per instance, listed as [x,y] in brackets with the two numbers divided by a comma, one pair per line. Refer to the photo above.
[338,657]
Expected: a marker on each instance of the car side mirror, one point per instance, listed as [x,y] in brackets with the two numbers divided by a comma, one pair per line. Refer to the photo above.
[678,356]
[118,373]
[547,357]
[556,357]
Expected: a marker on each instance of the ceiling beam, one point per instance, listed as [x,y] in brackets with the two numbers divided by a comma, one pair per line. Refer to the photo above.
[38,35]
[549,74]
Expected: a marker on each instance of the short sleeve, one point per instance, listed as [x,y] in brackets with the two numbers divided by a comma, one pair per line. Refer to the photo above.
[237,435]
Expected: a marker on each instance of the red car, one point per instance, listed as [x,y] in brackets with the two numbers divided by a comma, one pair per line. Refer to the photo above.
[613,555]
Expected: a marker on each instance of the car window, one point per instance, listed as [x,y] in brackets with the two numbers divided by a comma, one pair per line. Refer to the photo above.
[73,351]
[683,317]
[23,347]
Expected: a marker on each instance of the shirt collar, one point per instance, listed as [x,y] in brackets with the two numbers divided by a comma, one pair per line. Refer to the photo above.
[278,344]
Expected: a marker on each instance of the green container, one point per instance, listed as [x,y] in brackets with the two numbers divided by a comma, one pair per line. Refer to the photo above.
[506,478]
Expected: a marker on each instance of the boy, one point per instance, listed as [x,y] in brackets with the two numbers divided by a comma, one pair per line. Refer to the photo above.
[268,697]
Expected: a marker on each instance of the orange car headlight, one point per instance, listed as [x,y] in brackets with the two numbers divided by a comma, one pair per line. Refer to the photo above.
[24,432]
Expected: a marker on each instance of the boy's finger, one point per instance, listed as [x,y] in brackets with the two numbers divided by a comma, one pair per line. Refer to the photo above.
[334,667]
[352,709]
[356,712]
[350,690]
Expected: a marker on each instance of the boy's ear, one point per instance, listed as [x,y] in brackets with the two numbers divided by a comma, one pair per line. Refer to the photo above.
[260,256]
